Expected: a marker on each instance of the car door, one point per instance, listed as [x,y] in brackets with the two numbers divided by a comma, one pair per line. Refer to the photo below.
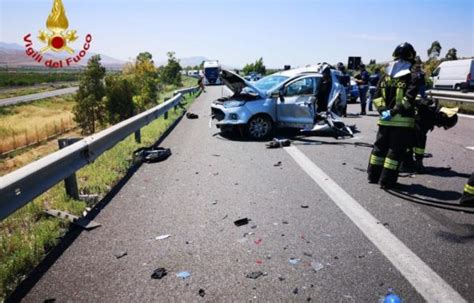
[295,107]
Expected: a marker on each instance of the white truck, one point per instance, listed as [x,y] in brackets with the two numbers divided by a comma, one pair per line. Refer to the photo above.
[212,70]
[456,74]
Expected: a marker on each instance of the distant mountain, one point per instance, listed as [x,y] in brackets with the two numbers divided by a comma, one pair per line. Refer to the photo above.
[13,54]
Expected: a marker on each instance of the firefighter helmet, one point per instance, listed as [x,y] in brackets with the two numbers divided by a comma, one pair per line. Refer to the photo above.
[447,117]
[405,51]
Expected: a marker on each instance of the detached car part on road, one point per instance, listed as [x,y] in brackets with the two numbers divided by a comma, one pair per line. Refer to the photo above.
[285,99]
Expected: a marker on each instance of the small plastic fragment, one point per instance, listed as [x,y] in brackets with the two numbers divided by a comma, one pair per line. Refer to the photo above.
[183,275]
[202,293]
[294,261]
[162,237]
[317,266]
[120,254]
[254,275]
[241,222]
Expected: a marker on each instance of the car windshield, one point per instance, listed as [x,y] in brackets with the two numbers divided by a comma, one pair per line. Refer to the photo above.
[269,82]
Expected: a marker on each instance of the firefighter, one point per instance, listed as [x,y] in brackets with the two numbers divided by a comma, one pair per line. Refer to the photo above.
[395,102]
[428,116]
[467,197]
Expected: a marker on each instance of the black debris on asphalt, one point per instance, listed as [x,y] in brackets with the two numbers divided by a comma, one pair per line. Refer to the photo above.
[285,222]
[278,164]
[304,206]
[151,154]
[295,291]
[202,292]
[281,278]
[120,254]
[277,143]
[190,115]
[241,222]
[254,275]
[159,273]
[253,226]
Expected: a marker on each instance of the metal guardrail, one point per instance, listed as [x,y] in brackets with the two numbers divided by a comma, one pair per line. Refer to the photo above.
[21,186]
[451,96]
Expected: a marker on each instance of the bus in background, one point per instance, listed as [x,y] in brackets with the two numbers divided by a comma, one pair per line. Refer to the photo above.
[212,71]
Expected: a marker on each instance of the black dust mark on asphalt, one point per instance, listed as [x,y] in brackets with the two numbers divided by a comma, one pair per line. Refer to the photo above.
[285,222]
[278,164]
[304,206]
[281,279]
[295,290]
[202,293]
[253,226]
[215,155]
[215,174]
[120,254]
[361,169]
[455,238]
[344,163]
[361,256]
[241,222]
[196,173]
[225,217]
[190,115]
[159,273]
[336,258]
[254,275]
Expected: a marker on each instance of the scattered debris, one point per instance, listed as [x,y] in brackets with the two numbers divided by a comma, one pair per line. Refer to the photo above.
[259,262]
[151,154]
[277,164]
[253,226]
[248,234]
[317,266]
[120,254]
[269,257]
[225,217]
[183,275]
[281,278]
[202,293]
[294,261]
[254,275]
[307,254]
[214,202]
[344,163]
[361,256]
[277,143]
[162,237]
[83,222]
[285,222]
[189,242]
[295,291]
[190,115]
[258,241]
[304,206]
[241,222]
[216,155]
[159,273]
[51,300]
[336,257]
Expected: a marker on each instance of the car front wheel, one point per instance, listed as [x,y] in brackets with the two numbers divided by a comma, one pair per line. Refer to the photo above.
[259,127]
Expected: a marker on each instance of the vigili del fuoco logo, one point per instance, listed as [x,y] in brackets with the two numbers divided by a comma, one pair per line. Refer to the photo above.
[57,39]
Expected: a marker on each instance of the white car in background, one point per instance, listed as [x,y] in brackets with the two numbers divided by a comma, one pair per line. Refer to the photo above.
[284,99]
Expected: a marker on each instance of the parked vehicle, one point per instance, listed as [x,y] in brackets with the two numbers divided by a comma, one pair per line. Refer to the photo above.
[456,74]
[285,99]
[212,71]
[353,92]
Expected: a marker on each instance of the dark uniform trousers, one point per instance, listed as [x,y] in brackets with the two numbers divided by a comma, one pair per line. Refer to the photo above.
[389,149]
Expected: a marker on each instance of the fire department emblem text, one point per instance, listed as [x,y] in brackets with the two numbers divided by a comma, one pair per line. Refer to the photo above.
[57,39]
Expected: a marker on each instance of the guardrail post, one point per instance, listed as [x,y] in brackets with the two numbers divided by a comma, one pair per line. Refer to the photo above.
[71,181]
[138,136]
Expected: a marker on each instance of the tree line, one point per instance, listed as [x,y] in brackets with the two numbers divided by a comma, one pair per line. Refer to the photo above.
[108,99]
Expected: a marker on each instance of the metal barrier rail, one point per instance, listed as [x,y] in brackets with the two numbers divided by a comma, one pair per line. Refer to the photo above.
[451,96]
[21,186]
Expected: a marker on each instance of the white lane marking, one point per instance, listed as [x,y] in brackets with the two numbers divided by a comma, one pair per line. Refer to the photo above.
[427,282]
[466,116]
[470,147]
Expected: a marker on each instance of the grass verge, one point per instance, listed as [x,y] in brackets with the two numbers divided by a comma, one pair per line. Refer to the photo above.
[28,235]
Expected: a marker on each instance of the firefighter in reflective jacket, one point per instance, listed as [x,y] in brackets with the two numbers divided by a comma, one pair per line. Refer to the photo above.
[468,193]
[395,102]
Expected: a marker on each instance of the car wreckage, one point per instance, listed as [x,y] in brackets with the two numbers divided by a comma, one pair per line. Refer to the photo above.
[286,99]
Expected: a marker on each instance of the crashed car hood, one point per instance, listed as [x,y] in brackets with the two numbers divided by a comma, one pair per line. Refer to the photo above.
[236,83]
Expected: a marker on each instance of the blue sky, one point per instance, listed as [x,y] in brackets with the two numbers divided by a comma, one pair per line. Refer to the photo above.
[292,32]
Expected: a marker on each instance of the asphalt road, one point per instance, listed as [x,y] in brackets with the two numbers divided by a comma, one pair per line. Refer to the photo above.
[38,96]
[315,206]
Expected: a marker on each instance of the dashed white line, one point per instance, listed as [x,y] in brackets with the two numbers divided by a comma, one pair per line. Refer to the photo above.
[427,282]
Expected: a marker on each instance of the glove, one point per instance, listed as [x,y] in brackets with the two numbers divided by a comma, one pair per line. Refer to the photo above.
[386,115]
